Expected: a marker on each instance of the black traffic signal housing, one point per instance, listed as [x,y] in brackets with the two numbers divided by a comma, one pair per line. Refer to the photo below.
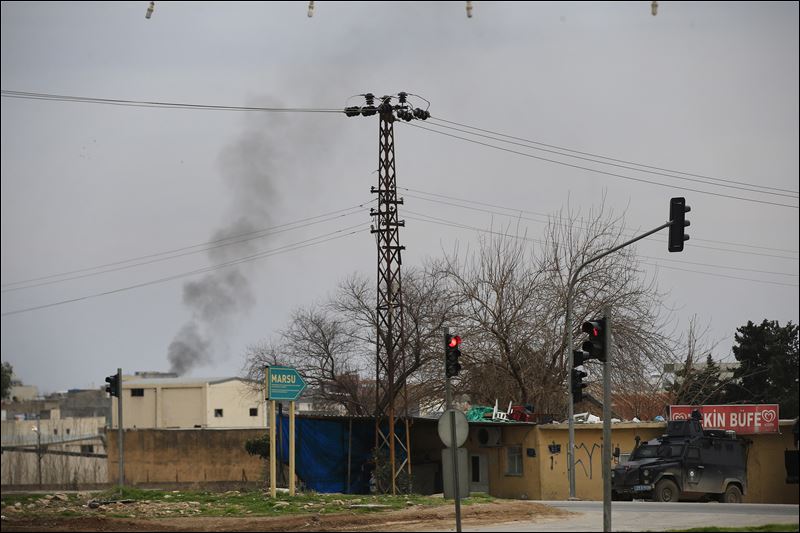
[451,355]
[678,223]
[595,347]
[577,384]
[113,387]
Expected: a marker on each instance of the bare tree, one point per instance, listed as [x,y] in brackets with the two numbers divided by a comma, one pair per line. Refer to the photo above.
[508,300]
[499,301]
[696,378]
[333,344]
[322,348]
[515,300]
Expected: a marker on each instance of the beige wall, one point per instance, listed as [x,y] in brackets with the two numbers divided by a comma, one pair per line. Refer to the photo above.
[545,477]
[188,405]
[22,393]
[138,411]
[501,483]
[183,407]
[185,456]
[235,399]
[588,456]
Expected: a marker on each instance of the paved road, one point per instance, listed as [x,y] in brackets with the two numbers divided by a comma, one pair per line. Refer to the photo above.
[653,516]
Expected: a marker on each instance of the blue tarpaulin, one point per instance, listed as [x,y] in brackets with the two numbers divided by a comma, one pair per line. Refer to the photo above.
[321,452]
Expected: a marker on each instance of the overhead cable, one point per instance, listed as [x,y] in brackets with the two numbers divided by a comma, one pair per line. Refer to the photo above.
[672,171]
[601,171]
[787,194]
[181,252]
[169,105]
[267,253]
[446,200]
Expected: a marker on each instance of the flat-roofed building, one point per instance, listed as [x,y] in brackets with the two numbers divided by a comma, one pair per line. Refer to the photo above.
[228,402]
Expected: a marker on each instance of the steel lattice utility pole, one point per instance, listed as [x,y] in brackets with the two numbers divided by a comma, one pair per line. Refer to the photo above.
[390,363]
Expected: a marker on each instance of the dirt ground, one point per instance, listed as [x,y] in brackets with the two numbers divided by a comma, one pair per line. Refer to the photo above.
[413,519]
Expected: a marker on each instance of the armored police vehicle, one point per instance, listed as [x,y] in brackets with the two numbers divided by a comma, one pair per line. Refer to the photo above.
[686,463]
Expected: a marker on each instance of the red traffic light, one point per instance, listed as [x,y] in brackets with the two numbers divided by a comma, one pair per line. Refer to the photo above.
[455,340]
[593,328]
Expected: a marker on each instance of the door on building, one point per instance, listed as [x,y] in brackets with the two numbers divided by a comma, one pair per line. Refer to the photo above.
[478,473]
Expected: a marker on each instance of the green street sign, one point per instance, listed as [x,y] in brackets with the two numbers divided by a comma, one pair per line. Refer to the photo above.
[284,383]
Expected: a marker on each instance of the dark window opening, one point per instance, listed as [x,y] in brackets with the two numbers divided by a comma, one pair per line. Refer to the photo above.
[254,411]
[87,448]
[217,413]
[137,392]
[476,469]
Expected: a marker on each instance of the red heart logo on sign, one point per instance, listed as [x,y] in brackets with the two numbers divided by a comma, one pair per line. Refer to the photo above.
[768,415]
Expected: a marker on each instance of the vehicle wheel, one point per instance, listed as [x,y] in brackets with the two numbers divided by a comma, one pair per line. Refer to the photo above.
[666,491]
[732,495]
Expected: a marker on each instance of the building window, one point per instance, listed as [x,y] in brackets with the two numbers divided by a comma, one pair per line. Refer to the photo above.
[254,411]
[476,469]
[137,392]
[217,413]
[87,448]
[514,461]
[55,431]
[67,431]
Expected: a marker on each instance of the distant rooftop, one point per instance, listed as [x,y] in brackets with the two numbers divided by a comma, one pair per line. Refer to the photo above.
[134,381]
[146,374]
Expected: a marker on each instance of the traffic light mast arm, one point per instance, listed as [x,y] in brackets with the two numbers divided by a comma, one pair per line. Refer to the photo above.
[568,345]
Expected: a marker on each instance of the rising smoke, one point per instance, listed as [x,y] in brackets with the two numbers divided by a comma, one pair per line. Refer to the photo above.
[272,150]
[250,167]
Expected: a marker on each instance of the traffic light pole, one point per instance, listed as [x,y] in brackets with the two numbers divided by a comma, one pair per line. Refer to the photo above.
[607,420]
[120,435]
[568,347]
[453,447]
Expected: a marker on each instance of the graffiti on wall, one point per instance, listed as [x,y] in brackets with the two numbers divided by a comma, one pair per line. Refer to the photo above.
[588,454]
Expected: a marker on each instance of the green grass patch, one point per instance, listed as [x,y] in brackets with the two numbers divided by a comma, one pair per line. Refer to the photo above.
[153,503]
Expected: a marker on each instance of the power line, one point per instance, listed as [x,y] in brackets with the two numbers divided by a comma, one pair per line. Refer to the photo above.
[446,202]
[794,196]
[518,210]
[613,159]
[267,253]
[448,222]
[602,171]
[174,253]
[464,226]
[168,105]
[435,220]
[182,105]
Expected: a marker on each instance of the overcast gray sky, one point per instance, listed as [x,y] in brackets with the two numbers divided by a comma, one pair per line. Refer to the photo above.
[709,89]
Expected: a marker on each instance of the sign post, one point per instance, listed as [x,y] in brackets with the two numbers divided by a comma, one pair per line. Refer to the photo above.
[283,383]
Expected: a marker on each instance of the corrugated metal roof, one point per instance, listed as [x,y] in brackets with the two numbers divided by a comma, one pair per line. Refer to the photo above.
[134,382]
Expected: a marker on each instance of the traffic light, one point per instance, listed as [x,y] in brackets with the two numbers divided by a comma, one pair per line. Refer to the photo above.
[451,355]
[595,347]
[678,223]
[113,385]
[579,357]
[578,385]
